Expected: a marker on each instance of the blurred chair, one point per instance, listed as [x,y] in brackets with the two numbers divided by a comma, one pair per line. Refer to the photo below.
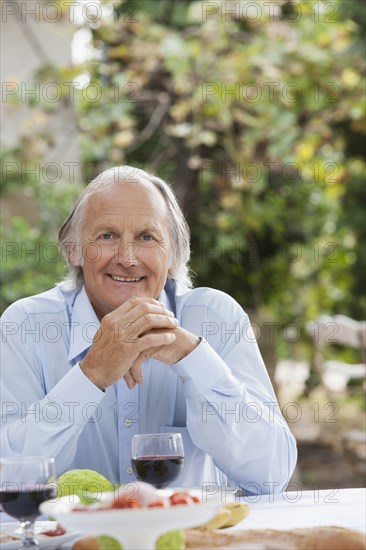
[343,331]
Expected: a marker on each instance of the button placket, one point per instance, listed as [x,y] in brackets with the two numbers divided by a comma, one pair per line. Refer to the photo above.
[128,427]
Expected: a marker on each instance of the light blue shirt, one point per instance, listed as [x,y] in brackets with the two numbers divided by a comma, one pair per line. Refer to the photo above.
[219,396]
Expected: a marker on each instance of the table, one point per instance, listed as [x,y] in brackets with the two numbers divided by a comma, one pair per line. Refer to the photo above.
[299,509]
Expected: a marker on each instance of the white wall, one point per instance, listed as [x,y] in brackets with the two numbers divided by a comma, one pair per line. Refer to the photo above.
[30,38]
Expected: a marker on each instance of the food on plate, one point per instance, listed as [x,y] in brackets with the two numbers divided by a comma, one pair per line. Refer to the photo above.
[96,543]
[229,515]
[82,482]
[238,512]
[103,542]
[317,538]
[7,538]
[173,539]
[168,541]
[57,531]
[138,495]
[219,520]
[183,497]
[46,531]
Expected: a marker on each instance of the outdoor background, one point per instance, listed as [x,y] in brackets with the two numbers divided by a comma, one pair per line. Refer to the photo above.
[255,112]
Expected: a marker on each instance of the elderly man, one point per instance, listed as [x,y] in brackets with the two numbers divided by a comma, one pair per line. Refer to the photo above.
[126,346]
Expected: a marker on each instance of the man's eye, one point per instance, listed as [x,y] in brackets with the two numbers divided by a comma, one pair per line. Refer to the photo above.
[106,236]
[147,237]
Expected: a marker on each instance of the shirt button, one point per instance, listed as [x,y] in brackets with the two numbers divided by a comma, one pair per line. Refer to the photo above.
[128,422]
[129,470]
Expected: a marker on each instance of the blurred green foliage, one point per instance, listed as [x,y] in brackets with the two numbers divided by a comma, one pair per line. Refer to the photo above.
[32,261]
[250,119]
[258,123]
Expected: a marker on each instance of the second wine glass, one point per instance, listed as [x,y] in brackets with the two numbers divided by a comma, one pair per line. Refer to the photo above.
[26,482]
[157,458]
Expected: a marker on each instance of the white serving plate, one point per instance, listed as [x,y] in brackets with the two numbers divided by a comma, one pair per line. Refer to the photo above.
[47,543]
[135,528]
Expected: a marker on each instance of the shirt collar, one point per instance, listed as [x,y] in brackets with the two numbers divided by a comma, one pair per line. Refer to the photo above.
[166,297]
[84,325]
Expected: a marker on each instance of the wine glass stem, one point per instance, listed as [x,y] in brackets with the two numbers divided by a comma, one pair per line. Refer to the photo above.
[29,540]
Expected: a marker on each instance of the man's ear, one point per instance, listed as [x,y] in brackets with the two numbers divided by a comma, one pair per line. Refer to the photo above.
[74,254]
[171,268]
[172,262]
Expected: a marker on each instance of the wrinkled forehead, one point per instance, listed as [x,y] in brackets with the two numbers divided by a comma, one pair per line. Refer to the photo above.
[128,200]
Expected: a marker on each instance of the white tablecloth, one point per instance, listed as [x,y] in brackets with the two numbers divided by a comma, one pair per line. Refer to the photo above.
[298,509]
[290,510]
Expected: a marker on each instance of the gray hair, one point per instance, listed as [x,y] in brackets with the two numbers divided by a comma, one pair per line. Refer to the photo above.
[69,235]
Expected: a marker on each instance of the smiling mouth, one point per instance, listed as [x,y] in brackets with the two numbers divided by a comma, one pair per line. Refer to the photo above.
[126,279]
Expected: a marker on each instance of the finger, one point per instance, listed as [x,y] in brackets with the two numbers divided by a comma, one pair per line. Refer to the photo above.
[143,309]
[130,333]
[136,370]
[140,302]
[155,339]
[131,383]
[154,322]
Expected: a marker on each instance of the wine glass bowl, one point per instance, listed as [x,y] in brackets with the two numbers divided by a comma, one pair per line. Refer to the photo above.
[157,458]
[26,482]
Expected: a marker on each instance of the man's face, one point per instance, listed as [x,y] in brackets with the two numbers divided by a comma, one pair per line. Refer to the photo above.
[126,245]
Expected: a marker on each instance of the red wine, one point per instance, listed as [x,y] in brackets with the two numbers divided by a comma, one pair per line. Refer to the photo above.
[23,504]
[160,471]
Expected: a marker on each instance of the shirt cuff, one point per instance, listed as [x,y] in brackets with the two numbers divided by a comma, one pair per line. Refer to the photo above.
[74,393]
[203,369]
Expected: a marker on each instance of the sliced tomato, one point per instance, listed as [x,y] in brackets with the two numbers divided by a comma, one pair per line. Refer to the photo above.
[156,504]
[124,502]
[56,532]
[180,498]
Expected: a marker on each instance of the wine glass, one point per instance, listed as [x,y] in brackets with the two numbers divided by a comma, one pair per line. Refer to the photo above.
[26,482]
[157,458]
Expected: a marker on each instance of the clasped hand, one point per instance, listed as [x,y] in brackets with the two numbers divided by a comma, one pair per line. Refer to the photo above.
[138,329]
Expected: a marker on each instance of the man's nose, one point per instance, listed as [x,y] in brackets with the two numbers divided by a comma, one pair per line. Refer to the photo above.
[126,254]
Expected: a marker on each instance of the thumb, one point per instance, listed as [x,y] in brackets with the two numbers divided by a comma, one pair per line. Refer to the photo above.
[136,369]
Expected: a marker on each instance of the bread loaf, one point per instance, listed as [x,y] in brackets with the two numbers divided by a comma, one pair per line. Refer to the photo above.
[317,538]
